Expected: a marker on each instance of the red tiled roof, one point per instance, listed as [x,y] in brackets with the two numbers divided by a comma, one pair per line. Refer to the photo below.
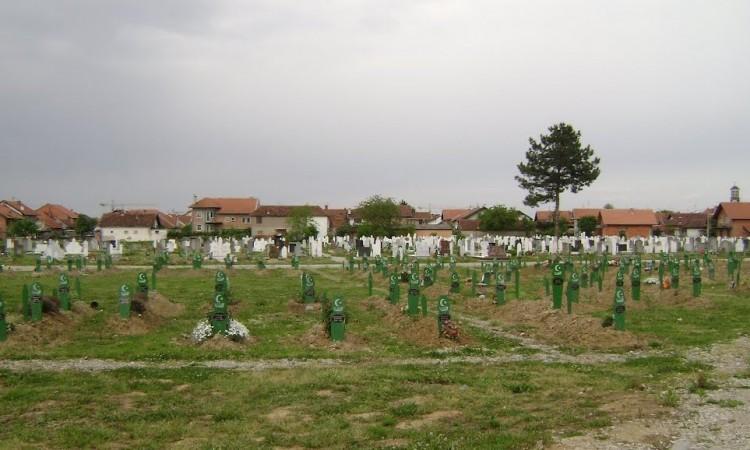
[228,205]
[137,218]
[9,213]
[454,214]
[578,213]
[735,210]
[405,211]
[684,220]
[20,207]
[468,225]
[338,217]
[56,217]
[285,211]
[547,216]
[627,217]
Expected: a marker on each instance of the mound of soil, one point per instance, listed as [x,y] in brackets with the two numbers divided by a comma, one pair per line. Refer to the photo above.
[145,315]
[316,337]
[557,326]
[420,330]
[55,328]
[591,300]
[221,342]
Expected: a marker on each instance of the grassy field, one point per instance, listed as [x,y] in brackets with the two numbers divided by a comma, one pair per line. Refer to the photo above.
[392,383]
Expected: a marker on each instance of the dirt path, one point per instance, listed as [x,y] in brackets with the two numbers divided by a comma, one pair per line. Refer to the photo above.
[716,419]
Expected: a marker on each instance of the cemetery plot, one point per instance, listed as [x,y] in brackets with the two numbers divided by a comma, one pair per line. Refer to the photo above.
[146,316]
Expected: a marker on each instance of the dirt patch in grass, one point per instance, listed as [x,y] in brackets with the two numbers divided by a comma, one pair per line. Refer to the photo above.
[316,337]
[557,326]
[285,414]
[157,309]
[429,419]
[55,328]
[297,307]
[419,330]
[127,402]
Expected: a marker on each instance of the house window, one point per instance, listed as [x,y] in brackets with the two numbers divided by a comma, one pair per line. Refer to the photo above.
[209,215]
[126,232]
[232,219]
[258,220]
[199,227]
[135,231]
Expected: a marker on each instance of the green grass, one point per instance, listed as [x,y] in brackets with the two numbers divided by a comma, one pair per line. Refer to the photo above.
[365,402]
[351,407]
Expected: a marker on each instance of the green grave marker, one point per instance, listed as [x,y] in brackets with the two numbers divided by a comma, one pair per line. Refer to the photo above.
[697,281]
[337,320]
[308,288]
[675,274]
[124,301]
[500,289]
[219,317]
[573,290]
[455,282]
[557,285]
[141,282]
[443,315]
[63,290]
[394,289]
[619,309]
[412,305]
[36,301]
[635,283]
[197,261]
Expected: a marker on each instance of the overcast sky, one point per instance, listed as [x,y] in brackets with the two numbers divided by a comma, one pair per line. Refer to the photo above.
[328,102]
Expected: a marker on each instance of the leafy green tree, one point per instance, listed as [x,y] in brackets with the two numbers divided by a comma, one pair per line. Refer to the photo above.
[23,228]
[85,225]
[609,206]
[554,164]
[501,218]
[379,217]
[301,224]
[588,224]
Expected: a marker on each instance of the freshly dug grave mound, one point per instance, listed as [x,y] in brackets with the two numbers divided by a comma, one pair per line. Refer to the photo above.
[145,315]
[221,342]
[316,337]
[591,300]
[419,330]
[557,326]
[55,328]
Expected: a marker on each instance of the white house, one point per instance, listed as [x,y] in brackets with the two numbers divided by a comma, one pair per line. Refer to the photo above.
[137,225]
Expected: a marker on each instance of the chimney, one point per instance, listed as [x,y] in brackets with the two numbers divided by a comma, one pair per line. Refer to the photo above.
[734,194]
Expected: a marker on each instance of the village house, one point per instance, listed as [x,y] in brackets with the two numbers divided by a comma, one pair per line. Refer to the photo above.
[682,224]
[337,218]
[732,218]
[273,220]
[56,219]
[135,225]
[214,214]
[442,230]
[629,223]
[14,210]
[454,215]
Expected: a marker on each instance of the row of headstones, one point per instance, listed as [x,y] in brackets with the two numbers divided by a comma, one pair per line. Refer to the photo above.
[666,264]
[32,304]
